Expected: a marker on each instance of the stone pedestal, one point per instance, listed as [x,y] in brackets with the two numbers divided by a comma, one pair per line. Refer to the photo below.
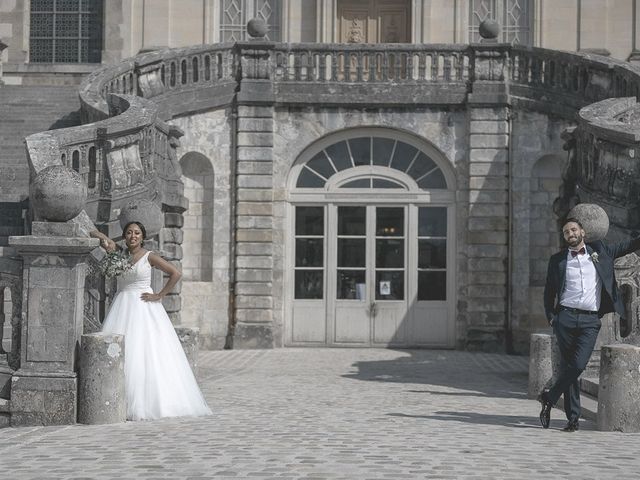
[619,388]
[544,363]
[189,339]
[43,390]
[101,388]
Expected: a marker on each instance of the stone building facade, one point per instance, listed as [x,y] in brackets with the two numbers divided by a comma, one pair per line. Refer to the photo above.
[343,191]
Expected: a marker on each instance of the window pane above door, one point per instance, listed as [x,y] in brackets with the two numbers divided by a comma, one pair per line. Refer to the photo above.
[352,252]
[309,220]
[309,284]
[389,221]
[352,220]
[351,285]
[432,222]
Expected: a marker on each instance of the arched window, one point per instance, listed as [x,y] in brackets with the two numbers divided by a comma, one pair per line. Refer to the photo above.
[365,162]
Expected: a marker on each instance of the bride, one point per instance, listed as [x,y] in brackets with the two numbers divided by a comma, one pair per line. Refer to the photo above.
[158,379]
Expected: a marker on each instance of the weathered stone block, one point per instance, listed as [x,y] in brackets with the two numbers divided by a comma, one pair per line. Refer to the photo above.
[488,183]
[619,388]
[251,222]
[488,196]
[101,385]
[253,288]
[488,251]
[172,303]
[491,155]
[255,139]
[256,168]
[488,210]
[254,111]
[248,248]
[173,235]
[255,195]
[172,251]
[248,336]
[497,238]
[488,126]
[488,223]
[492,114]
[254,235]
[255,124]
[487,265]
[487,278]
[486,305]
[173,220]
[488,141]
[488,291]
[253,315]
[255,262]
[254,301]
[42,400]
[264,154]
[254,208]
[255,181]
[485,169]
[253,275]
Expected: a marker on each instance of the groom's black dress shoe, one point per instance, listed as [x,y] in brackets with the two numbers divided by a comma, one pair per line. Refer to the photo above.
[545,413]
[572,426]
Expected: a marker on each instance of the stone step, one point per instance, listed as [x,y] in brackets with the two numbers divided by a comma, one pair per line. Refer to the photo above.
[589,385]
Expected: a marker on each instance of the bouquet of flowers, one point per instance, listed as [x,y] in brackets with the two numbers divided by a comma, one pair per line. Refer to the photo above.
[115,263]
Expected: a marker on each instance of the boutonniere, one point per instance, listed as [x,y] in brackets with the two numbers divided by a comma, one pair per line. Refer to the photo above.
[594,257]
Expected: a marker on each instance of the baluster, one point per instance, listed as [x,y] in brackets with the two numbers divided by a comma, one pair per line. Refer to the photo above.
[422,66]
[385,66]
[447,67]
[322,67]
[334,66]
[434,66]
[359,67]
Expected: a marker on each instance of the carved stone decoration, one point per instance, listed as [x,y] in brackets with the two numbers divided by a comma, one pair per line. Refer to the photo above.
[355,35]
[628,276]
[568,194]
[144,211]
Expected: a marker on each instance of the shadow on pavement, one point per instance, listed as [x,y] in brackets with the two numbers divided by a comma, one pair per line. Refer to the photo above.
[473,374]
[515,421]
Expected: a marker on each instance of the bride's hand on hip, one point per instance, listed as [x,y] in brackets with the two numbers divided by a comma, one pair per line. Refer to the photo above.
[150,297]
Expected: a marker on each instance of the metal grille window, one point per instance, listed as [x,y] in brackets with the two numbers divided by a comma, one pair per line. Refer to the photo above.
[66,31]
[236,13]
[514,16]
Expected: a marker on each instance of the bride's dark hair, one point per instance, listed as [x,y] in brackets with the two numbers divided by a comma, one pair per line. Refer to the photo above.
[142,229]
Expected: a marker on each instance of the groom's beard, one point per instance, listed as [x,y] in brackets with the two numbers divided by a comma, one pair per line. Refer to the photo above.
[575,241]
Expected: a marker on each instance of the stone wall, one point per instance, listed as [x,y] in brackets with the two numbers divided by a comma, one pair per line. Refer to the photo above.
[205,299]
[538,160]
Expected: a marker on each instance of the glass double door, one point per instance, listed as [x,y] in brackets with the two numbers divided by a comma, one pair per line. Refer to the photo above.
[369,268]
[371,275]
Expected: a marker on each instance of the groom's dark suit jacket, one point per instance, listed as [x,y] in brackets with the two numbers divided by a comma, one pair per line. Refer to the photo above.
[610,300]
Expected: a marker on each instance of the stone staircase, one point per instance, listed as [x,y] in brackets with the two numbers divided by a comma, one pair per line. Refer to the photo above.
[25,110]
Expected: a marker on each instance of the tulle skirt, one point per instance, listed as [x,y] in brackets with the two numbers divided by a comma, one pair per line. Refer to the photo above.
[158,379]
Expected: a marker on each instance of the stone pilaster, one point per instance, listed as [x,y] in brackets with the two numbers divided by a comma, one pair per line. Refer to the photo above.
[254,234]
[488,226]
[171,236]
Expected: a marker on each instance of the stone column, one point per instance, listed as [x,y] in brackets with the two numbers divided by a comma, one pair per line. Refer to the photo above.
[254,209]
[488,224]
[619,388]
[544,363]
[188,337]
[101,388]
[44,389]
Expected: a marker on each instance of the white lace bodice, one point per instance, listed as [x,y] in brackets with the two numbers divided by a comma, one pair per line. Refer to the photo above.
[139,277]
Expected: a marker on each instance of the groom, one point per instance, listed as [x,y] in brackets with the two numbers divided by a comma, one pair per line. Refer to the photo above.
[580,289]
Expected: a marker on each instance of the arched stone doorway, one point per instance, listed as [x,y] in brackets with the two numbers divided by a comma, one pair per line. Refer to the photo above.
[197,262]
[371,258]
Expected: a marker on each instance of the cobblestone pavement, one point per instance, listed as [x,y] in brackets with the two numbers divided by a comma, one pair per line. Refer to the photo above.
[336,413]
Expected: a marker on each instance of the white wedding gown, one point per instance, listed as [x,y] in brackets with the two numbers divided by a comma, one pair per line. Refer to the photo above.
[158,379]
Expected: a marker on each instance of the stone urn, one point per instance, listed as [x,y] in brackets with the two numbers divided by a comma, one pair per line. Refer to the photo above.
[57,194]
[146,212]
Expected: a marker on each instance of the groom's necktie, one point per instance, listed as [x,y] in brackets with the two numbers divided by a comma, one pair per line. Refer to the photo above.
[577,252]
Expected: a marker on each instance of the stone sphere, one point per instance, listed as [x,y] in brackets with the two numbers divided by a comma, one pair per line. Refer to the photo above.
[257,28]
[146,212]
[489,29]
[594,220]
[57,194]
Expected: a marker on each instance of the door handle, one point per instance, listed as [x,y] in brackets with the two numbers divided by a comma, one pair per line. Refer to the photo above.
[373,309]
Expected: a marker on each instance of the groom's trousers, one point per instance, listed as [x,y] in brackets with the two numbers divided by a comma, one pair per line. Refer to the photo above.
[576,333]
